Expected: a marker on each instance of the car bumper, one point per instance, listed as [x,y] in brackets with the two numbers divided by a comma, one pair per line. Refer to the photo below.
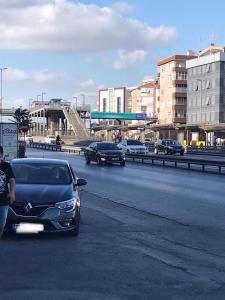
[113,160]
[138,152]
[52,219]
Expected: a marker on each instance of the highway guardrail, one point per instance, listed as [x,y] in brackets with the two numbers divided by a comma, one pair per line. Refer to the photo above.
[181,162]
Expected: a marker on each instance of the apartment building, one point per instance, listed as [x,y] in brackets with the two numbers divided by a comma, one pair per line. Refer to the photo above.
[173,89]
[145,98]
[206,88]
[114,99]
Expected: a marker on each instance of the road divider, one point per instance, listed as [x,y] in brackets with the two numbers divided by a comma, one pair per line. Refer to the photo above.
[204,165]
[187,163]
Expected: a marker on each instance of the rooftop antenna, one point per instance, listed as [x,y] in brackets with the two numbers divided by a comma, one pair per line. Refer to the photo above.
[213,38]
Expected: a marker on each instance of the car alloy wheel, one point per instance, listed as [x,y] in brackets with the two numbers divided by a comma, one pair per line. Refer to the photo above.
[99,161]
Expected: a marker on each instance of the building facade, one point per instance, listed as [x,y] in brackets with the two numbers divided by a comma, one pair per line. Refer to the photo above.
[145,98]
[206,89]
[173,89]
[114,100]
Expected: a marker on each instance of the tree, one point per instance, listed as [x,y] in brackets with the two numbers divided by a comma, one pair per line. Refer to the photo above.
[22,118]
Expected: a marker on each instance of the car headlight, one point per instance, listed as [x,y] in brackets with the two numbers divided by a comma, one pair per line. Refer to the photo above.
[171,148]
[68,205]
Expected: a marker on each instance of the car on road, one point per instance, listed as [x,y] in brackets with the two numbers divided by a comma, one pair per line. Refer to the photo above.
[28,139]
[168,146]
[47,197]
[132,147]
[50,139]
[104,153]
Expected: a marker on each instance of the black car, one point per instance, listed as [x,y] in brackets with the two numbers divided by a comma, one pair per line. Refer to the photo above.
[104,153]
[168,146]
[47,197]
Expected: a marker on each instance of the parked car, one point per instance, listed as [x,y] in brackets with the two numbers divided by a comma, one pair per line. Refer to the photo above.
[50,139]
[168,146]
[28,139]
[47,197]
[104,152]
[132,147]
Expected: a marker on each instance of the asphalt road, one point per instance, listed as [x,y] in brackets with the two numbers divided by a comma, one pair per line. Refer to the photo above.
[146,233]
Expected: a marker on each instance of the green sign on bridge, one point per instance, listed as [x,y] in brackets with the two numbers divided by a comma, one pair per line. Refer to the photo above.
[119,116]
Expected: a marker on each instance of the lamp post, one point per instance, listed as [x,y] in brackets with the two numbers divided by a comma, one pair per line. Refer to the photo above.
[38,97]
[30,101]
[75,98]
[2,69]
[83,103]
[42,99]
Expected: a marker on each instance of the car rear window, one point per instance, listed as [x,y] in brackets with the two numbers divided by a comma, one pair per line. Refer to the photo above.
[134,142]
[33,173]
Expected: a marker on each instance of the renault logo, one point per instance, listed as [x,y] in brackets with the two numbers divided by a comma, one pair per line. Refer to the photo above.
[27,207]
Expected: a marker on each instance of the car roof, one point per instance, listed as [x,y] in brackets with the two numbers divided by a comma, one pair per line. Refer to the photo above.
[104,142]
[46,161]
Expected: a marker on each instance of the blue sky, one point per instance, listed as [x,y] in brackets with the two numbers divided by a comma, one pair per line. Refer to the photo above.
[65,48]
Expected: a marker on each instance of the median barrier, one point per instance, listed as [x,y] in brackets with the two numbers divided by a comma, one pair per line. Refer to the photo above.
[180,162]
[164,160]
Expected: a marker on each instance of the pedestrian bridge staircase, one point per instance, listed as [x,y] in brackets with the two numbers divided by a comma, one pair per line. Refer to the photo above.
[78,127]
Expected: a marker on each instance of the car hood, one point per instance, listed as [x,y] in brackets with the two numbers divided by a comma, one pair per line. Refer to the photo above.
[110,152]
[43,194]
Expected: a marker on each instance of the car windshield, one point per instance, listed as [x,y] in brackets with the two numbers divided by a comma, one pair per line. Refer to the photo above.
[170,142]
[38,173]
[134,142]
[51,137]
[107,146]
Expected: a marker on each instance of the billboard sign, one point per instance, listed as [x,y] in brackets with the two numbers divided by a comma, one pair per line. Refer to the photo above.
[118,116]
[9,140]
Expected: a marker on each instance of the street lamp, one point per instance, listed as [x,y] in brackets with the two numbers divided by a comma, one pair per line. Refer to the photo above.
[2,69]
[42,99]
[38,97]
[30,101]
[75,98]
[83,104]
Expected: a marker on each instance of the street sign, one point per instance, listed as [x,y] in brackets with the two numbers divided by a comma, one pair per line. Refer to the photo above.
[9,139]
[118,116]
[24,128]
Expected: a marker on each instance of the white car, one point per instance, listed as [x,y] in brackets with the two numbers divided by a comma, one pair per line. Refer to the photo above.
[132,147]
[28,139]
[50,139]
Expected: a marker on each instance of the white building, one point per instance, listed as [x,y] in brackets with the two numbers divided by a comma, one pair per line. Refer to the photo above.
[114,100]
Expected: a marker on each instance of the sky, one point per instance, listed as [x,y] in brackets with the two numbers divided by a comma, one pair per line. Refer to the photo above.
[66,48]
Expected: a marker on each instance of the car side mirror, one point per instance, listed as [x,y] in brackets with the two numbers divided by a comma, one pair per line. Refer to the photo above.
[80,182]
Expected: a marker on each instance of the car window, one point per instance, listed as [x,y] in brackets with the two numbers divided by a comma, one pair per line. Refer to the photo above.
[107,146]
[38,173]
[134,142]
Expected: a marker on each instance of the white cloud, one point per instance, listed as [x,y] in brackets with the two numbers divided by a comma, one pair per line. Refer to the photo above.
[123,7]
[63,25]
[37,76]
[127,59]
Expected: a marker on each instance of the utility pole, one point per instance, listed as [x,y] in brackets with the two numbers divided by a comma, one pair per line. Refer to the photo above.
[1,69]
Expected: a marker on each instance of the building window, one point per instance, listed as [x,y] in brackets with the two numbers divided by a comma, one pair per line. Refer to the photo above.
[118,104]
[104,104]
[207,68]
[208,84]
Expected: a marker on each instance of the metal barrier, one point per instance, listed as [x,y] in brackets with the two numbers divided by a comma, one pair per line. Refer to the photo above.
[53,147]
[209,150]
[179,162]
